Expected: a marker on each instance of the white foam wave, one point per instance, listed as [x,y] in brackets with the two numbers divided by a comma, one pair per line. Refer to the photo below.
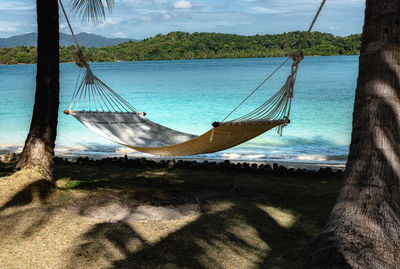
[237,154]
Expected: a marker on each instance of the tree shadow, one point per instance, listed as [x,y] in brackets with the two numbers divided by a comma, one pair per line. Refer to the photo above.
[33,219]
[104,241]
[209,241]
[240,236]
[38,190]
[6,169]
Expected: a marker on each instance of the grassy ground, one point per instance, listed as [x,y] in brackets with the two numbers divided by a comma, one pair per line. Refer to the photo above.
[248,220]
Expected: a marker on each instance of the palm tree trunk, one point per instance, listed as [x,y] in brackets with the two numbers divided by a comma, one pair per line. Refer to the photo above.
[39,145]
[363,230]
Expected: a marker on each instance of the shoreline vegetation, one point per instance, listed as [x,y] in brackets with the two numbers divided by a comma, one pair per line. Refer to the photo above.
[182,45]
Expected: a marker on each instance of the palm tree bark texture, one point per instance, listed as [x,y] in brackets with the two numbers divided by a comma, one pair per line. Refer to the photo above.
[363,230]
[39,145]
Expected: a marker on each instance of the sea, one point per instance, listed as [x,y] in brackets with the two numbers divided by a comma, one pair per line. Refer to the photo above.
[188,95]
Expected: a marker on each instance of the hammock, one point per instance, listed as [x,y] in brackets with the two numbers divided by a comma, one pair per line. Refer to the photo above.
[106,113]
[137,132]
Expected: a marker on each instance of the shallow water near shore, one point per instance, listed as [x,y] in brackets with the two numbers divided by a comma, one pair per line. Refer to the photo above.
[188,95]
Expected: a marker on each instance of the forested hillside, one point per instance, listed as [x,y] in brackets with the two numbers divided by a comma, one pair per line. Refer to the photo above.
[182,45]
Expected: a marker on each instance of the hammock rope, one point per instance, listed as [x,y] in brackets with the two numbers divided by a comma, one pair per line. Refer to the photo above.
[105,112]
[297,57]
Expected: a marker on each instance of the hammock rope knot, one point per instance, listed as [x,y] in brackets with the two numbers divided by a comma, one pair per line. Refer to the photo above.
[89,77]
[285,123]
[289,85]
[297,57]
[80,58]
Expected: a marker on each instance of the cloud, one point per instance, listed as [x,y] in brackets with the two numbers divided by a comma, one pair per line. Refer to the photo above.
[182,4]
[8,29]
[264,10]
[145,18]
[16,6]
[120,35]
[108,21]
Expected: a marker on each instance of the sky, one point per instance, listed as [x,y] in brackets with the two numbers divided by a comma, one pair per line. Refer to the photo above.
[146,18]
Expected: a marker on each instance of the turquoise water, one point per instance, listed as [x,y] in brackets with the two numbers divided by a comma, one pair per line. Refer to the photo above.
[188,95]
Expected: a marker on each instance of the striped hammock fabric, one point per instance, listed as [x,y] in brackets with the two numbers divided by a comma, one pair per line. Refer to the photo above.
[137,132]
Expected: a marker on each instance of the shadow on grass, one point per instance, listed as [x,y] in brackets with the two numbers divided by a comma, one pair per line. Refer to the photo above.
[239,237]
[6,169]
[38,190]
[240,234]
[19,190]
[102,241]
[25,190]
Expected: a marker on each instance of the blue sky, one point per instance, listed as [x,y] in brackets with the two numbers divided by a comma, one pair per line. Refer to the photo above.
[145,18]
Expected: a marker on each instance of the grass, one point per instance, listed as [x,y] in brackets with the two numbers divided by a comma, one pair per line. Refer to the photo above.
[248,220]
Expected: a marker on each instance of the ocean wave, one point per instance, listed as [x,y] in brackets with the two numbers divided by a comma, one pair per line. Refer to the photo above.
[236,154]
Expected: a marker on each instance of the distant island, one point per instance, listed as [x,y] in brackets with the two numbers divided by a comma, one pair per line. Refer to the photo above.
[85,39]
[182,45]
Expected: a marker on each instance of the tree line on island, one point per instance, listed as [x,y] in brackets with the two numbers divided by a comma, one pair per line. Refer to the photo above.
[182,45]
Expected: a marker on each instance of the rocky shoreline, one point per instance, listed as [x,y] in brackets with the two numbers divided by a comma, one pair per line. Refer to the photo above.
[274,169]
[269,169]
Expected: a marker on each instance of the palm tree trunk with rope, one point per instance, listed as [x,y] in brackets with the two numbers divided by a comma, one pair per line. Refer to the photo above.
[363,230]
[39,145]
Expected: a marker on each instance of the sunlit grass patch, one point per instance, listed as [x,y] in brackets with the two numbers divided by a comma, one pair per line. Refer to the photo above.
[284,218]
